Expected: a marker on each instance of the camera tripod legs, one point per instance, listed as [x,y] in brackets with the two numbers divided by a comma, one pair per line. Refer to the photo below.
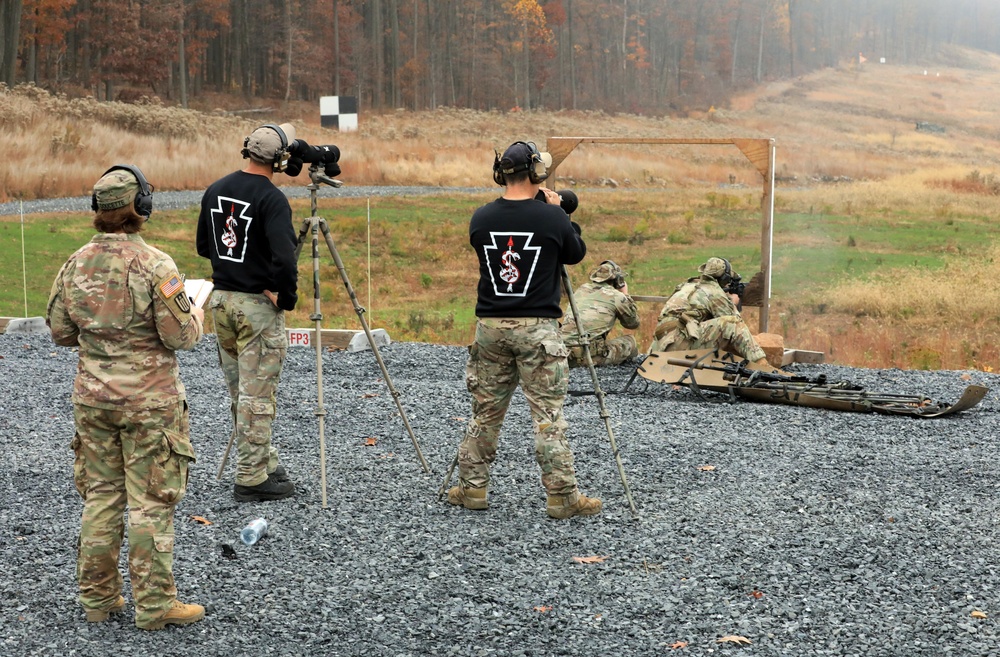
[315,225]
[447,478]
[568,287]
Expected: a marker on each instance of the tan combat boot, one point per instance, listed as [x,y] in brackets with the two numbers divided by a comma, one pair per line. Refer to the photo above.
[574,504]
[470,498]
[765,366]
[178,614]
[101,615]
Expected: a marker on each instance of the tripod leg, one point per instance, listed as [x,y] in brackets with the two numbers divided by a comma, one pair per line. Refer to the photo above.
[597,391]
[317,316]
[447,478]
[225,454]
[302,236]
[371,340]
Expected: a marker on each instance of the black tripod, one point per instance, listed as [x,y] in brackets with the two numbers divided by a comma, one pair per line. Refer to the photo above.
[316,224]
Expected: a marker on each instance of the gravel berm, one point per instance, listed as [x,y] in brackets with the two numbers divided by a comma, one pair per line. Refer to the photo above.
[812,533]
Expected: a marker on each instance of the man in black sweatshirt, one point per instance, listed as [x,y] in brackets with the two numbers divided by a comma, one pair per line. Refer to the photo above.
[245,229]
[522,245]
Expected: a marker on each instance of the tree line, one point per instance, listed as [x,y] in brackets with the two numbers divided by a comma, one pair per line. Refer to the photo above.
[644,56]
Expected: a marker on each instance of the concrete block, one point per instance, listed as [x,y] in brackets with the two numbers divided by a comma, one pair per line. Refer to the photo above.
[360,341]
[27,325]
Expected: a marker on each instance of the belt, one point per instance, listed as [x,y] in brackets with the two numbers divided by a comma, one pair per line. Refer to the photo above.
[513,322]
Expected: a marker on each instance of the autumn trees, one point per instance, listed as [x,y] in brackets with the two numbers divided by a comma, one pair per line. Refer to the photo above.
[617,55]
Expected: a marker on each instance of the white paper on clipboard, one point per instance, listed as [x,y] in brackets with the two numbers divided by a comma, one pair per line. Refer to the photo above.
[198,290]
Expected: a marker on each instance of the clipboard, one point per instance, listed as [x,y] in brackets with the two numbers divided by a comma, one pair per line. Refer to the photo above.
[198,290]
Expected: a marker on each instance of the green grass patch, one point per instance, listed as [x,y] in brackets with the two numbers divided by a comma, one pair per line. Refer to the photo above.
[417,274]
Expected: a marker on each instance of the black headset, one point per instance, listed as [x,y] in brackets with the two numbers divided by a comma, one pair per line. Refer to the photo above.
[280,162]
[727,275]
[619,280]
[534,166]
[143,203]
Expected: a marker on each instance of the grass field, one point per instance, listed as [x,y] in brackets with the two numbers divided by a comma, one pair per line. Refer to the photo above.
[885,244]
[413,270]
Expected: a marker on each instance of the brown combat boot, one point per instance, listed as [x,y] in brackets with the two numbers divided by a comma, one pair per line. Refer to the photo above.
[178,614]
[101,615]
[470,498]
[574,504]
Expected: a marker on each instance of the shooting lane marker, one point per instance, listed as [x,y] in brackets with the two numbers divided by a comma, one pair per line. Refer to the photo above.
[24,266]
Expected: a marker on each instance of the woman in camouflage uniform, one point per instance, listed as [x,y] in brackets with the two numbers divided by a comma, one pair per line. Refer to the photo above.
[122,302]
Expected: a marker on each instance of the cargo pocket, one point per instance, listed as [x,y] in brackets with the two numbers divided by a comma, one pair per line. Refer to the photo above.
[164,543]
[262,413]
[555,349]
[79,467]
[278,342]
[555,369]
[472,368]
[273,348]
[169,475]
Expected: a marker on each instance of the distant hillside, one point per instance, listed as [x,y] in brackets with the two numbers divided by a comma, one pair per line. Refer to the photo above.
[852,122]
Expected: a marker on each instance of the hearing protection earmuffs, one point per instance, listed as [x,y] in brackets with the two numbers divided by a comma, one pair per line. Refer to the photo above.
[727,275]
[280,161]
[535,166]
[143,203]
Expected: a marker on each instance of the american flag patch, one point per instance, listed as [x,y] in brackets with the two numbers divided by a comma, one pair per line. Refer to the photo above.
[171,286]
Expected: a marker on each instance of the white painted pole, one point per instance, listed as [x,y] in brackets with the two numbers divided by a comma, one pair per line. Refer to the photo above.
[24,264]
[370,256]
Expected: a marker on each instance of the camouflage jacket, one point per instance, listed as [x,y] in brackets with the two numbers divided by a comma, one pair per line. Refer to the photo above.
[599,305]
[123,303]
[698,300]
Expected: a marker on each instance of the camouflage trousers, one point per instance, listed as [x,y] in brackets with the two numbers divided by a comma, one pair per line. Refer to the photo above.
[729,332]
[140,459]
[505,352]
[605,352]
[252,348]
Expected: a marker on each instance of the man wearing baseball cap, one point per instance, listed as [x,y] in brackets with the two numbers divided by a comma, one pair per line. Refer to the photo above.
[245,229]
[522,246]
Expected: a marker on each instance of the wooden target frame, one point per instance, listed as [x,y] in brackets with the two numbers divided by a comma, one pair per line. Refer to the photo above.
[760,152]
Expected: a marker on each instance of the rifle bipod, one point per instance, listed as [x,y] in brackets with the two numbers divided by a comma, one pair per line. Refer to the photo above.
[723,372]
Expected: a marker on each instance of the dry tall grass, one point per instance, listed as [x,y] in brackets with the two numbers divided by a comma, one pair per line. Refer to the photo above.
[913,318]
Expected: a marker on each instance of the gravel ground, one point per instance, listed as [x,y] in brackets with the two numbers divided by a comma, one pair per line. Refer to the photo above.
[816,533]
[185,199]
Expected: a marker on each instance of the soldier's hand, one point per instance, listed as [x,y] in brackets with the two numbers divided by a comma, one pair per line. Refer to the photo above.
[272,296]
[550,196]
[199,314]
[624,289]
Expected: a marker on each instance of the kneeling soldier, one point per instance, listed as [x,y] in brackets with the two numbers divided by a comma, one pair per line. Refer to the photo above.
[601,303]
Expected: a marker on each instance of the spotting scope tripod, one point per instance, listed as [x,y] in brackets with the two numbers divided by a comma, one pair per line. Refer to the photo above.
[315,225]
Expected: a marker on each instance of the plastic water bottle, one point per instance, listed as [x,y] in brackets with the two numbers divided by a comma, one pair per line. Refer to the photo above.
[252,532]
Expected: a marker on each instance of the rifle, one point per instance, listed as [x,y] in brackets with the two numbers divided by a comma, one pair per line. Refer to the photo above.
[740,373]
[720,371]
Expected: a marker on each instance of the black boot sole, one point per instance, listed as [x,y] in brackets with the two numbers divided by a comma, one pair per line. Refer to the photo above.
[259,497]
